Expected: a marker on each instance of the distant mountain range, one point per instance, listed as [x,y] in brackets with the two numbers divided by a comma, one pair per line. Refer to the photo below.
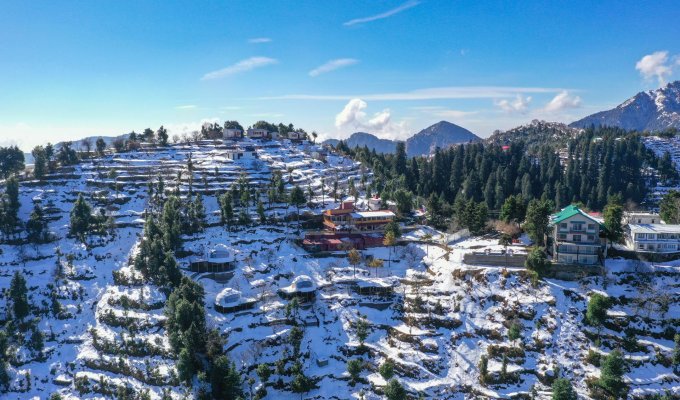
[652,110]
[442,134]
[361,139]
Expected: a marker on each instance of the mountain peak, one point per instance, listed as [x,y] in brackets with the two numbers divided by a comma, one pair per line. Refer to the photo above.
[442,134]
[651,110]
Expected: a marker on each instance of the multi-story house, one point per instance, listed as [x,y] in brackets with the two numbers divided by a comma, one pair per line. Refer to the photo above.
[653,238]
[347,218]
[575,237]
[346,227]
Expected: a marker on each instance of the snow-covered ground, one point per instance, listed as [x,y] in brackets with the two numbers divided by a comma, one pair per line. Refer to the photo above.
[432,315]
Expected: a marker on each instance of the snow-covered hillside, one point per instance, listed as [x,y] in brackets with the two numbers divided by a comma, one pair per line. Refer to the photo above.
[424,310]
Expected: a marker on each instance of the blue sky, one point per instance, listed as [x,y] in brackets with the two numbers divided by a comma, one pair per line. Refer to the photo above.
[73,69]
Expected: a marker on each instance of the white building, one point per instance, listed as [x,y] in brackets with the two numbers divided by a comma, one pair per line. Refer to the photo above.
[232,133]
[255,133]
[240,154]
[639,217]
[653,238]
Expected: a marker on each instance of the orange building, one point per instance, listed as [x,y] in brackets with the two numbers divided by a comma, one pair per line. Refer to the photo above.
[346,218]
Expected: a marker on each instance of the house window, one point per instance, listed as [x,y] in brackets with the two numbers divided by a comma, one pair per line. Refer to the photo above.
[591,238]
[591,227]
[577,226]
[641,246]
[577,238]
[563,225]
[562,236]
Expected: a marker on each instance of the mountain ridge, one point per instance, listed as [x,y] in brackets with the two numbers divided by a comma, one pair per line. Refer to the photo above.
[442,134]
[650,110]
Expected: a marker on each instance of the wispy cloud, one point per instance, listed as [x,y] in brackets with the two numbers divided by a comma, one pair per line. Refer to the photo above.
[332,65]
[241,66]
[185,107]
[519,105]
[386,14]
[562,101]
[259,40]
[656,65]
[441,93]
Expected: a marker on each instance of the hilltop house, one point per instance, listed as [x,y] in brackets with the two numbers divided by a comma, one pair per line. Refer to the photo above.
[255,133]
[297,135]
[574,237]
[232,133]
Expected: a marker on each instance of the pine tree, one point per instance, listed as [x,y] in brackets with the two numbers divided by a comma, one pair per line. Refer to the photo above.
[18,293]
[563,390]
[36,226]
[260,212]
[613,216]
[537,218]
[394,390]
[224,379]
[171,223]
[611,375]
[81,218]
[596,313]
[297,198]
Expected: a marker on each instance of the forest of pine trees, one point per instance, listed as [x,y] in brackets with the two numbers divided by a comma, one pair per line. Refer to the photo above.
[596,165]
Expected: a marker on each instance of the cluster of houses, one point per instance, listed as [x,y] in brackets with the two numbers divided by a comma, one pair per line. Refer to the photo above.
[257,133]
[349,227]
[577,237]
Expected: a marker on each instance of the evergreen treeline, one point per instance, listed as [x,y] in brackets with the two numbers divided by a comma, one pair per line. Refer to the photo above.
[596,165]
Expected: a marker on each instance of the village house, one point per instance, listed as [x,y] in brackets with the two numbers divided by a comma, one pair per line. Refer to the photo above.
[346,228]
[297,135]
[653,238]
[347,218]
[255,133]
[574,237]
[235,154]
[232,133]
[640,217]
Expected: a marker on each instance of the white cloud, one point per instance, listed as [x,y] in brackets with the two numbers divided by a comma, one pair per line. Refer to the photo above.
[562,101]
[332,65]
[186,107]
[520,104]
[353,117]
[386,14]
[655,65]
[437,93]
[259,40]
[241,66]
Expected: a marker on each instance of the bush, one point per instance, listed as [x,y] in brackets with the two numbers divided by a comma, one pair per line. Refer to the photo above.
[386,370]
[593,357]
